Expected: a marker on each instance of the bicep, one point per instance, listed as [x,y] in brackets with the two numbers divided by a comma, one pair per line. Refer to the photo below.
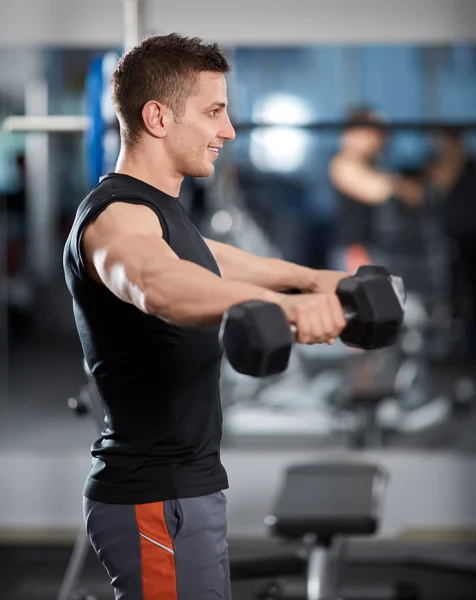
[213,246]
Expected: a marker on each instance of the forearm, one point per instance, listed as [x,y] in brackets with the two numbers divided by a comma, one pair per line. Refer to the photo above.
[281,275]
[271,273]
[360,182]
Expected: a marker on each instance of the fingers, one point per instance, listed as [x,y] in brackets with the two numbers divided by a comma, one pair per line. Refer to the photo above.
[319,327]
[308,323]
[320,320]
[330,329]
[304,327]
[338,312]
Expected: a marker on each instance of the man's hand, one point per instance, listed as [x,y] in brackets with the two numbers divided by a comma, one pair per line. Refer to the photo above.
[410,192]
[326,282]
[319,318]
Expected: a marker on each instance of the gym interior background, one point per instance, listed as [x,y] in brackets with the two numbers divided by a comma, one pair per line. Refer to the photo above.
[298,68]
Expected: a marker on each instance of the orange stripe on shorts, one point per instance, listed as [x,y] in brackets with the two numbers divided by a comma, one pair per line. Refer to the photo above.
[158,561]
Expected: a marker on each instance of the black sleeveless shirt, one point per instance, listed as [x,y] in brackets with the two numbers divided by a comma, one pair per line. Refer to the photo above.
[459,208]
[159,383]
[354,222]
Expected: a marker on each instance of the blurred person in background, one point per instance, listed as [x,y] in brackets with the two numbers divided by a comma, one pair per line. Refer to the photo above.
[362,187]
[451,173]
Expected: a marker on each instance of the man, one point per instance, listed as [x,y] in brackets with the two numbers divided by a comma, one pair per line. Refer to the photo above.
[149,294]
[362,188]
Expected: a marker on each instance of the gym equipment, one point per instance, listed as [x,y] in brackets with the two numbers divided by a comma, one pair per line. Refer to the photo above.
[374,309]
[100,124]
[319,504]
[102,137]
[258,339]
[86,403]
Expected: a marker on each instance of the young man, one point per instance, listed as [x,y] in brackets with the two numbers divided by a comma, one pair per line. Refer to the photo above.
[148,296]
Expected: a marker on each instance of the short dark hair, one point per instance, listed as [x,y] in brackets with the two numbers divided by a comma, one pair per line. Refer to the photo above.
[361,116]
[165,68]
[452,132]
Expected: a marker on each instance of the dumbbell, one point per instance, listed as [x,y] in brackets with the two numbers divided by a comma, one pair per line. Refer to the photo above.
[258,339]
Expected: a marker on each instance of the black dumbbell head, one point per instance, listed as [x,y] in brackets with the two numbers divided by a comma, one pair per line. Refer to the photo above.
[257,338]
[371,271]
[378,312]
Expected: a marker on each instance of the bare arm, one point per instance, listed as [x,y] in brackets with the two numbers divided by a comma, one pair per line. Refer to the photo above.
[361,182]
[124,250]
[444,172]
[271,273]
[369,186]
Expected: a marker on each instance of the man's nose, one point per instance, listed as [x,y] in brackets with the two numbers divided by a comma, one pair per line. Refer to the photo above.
[228,131]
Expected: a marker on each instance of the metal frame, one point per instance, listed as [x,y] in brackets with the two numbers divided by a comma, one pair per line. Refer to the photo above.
[90,405]
[75,123]
[321,574]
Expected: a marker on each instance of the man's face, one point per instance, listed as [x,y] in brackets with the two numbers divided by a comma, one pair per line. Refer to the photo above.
[448,144]
[195,139]
[368,140]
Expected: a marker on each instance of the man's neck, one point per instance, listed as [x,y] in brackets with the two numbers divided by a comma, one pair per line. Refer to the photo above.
[357,155]
[133,164]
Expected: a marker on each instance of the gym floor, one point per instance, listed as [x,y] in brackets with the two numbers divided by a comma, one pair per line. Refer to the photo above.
[35,573]
[371,570]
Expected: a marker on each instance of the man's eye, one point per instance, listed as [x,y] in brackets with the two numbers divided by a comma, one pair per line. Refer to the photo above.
[214,112]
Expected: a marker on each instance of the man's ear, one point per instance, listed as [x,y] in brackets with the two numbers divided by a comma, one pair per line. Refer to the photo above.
[156,117]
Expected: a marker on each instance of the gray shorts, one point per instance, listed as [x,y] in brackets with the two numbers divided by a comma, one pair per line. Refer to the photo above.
[171,550]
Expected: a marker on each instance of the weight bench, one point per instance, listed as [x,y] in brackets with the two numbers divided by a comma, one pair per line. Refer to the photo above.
[320,502]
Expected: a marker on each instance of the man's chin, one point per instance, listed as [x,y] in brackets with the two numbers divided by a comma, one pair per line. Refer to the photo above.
[203,172]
